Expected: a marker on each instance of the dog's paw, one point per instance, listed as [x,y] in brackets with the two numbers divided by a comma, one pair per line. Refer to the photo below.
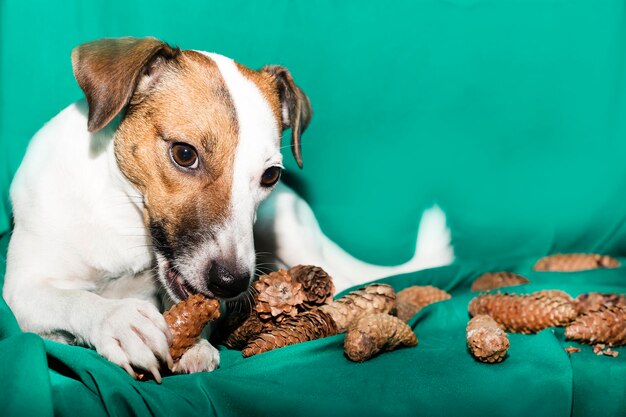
[134,335]
[202,357]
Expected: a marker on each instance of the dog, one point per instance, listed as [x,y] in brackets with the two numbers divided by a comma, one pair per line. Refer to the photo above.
[147,191]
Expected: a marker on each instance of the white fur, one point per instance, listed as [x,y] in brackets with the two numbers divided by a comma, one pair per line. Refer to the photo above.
[78,232]
[202,357]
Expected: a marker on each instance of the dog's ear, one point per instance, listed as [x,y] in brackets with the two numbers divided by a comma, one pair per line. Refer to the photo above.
[110,70]
[295,106]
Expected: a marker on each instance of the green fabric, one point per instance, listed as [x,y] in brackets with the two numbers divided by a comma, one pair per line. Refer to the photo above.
[437,378]
[509,114]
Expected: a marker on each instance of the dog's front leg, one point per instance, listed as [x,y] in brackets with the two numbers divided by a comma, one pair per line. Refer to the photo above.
[129,332]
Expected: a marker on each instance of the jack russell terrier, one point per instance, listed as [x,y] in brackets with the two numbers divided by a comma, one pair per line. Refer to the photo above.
[149,191]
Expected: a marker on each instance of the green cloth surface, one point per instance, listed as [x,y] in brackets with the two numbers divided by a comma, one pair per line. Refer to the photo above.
[437,378]
[511,115]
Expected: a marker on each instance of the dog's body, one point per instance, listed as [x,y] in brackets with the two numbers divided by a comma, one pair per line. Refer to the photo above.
[108,212]
[288,230]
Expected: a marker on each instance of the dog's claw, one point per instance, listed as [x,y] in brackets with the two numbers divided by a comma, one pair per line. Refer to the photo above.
[129,369]
[155,373]
[170,362]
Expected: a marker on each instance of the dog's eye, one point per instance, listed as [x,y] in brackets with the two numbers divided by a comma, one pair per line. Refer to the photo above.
[184,155]
[270,176]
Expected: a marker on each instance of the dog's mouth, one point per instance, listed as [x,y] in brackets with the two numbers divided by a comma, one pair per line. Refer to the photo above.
[177,283]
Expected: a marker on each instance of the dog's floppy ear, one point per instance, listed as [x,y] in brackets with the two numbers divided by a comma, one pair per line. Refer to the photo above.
[295,107]
[109,70]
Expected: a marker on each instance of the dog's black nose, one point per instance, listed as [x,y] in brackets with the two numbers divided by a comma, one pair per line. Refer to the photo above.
[224,284]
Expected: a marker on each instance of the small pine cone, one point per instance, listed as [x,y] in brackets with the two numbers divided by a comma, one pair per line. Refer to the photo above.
[492,280]
[595,301]
[486,340]
[405,311]
[317,285]
[526,313]
[575,262]
[422,295]
[306,326]
[607,326]
[186,320]
[279,296]
[374,333]
[373,298]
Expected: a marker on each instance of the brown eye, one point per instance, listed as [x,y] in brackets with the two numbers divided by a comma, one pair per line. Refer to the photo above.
[184,155]
[270,176]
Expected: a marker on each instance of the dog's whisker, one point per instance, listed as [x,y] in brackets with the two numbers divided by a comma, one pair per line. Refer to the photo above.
[119,202]
[266,262]
[138,247]
[123,203]
[125,196]
[269,266]
[250,300]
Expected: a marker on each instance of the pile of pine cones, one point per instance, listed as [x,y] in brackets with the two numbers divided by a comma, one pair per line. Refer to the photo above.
[594,318]
[296,305]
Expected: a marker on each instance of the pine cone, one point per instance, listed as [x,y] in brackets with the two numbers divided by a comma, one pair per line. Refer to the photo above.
[309,325]
[317,285]
[492,280]
[373,298]
[575,262]
[419,296]
[374,333]
[607,325]
[486,340]
[279,296]
[595,301]
[187,319]
[405,311]
[526,313]
[249,329]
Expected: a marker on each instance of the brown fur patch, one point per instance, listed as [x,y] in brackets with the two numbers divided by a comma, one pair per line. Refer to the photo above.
[189,103]
[107,71]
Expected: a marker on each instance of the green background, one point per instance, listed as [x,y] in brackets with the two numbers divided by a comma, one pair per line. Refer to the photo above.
[510,114]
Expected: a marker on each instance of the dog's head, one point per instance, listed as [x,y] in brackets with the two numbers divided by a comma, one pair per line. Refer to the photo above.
[199,137]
